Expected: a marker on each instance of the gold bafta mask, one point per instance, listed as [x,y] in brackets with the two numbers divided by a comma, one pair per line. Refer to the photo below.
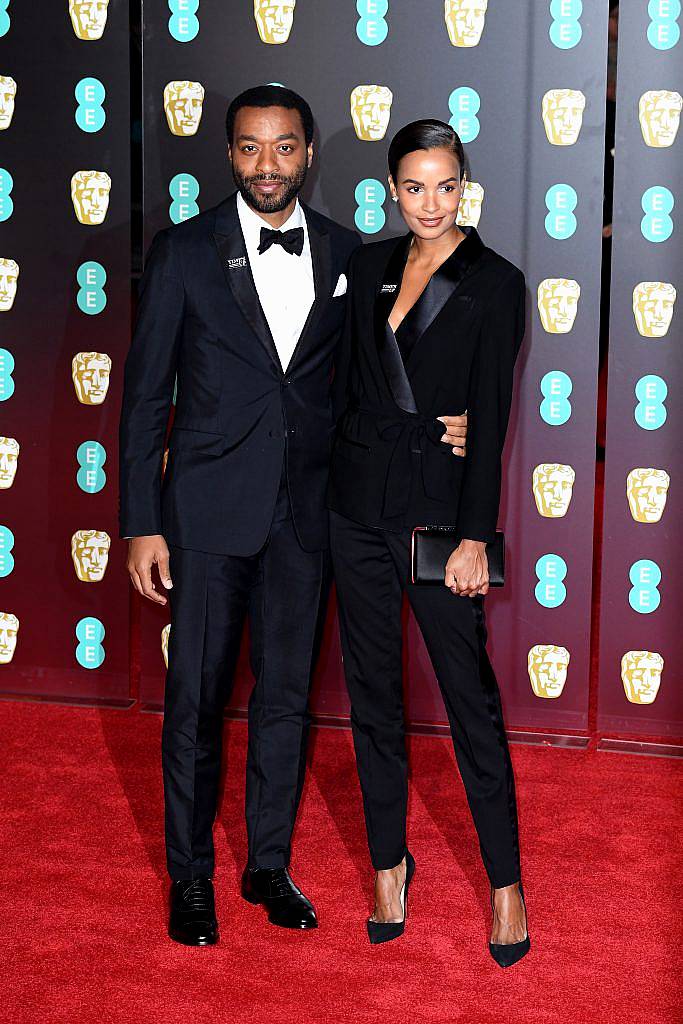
[465,21]
[471,202]
[659,112]
[9,627]
[653,307]
[9,457]
[165,634]
[183,105]
[370,111]
[274,19]
[558,301]
[641,674]
[548,666]
[646,490]
[90,195]
[9,275]
[552,485]
[562,112]
[8,92]
[88,17]
[90,373]
[90,554]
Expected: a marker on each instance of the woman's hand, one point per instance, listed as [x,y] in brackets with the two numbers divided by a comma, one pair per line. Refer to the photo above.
[467,570]
[456,432]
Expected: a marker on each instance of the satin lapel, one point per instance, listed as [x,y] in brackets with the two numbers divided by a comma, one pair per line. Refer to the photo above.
[321,258]
[387,346]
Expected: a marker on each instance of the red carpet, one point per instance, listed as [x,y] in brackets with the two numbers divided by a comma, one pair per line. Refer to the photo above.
[84,905]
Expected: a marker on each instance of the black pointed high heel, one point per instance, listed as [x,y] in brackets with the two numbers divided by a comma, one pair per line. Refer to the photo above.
[508,953]
[385,932]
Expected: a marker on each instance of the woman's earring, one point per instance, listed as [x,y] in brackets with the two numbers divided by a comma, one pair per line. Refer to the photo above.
[395,198]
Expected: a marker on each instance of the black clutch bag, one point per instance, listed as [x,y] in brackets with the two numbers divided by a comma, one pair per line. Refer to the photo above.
[433,545]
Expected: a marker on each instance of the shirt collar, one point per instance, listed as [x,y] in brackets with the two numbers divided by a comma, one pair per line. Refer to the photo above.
[251,223]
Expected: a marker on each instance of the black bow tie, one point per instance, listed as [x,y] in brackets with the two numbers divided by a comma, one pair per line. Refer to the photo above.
[291,241]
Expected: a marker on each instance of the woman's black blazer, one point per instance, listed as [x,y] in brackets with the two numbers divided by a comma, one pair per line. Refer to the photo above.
[389,467]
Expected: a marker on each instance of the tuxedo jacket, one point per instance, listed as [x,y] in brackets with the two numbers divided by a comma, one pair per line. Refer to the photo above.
[237,413]
[390,468]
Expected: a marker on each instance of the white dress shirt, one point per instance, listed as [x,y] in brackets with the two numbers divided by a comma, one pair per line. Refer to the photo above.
[284,281]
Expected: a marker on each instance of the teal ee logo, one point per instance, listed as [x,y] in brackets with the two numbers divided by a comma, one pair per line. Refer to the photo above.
[183,23]
[556,387]
[550,590]
[91,277]
[657,225]
[90,115]
[561,201]
[91,457]
[90,634]
[6,556]
[183,190]
[6,369]
[464,104]
[565,30]
[369,216]
[371,28]
[4,17]
[663,31]
[645,575]
[6,202]
[650,412]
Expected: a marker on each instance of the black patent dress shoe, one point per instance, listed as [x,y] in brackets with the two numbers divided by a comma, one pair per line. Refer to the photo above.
[274,889]
[193,913]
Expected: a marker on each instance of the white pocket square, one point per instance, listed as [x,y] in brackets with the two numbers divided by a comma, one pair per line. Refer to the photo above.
[341,287]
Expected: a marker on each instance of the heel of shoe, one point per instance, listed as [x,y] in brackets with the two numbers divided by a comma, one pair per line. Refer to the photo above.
[250,897]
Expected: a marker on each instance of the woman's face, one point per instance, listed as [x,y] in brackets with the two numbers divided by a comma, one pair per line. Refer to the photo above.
[429,191]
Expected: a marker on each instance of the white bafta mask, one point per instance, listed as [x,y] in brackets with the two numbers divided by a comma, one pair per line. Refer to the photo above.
[659,113]
[9,458]
[646,491]
[183,104]
[8,92]
[9,627]
[465,20]
[90,554]
[553,484]
[471,202]
[165,635]
[641,674]
[653,307]
[562,113]
[548,665]
[558,302]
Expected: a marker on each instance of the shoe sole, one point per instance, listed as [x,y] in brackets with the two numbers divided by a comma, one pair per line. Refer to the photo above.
[200,942]
[256,902]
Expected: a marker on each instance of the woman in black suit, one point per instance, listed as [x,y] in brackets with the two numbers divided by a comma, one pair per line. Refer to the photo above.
[435,321]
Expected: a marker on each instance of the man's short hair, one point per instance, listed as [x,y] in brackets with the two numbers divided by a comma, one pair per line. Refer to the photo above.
[270,96]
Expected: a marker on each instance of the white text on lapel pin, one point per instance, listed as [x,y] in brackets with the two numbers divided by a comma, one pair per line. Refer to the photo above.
[236,264]
[388,288]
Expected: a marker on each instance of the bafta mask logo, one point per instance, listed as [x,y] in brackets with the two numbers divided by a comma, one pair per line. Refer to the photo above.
[90,373]
[471,203]
[8,92]
[9,275]
[183,105]
[552,485]
[9,457]
[558,301]
[641,674]
[548,666]
[90,195]
[659,112]
[370,111]
[465,21]
[165,634]
[562,113]
[274,19]
[653,307]
[88,17]
[9,627]
[646,491]
[90,554]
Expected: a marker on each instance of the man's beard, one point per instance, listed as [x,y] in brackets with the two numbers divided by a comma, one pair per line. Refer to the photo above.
[275,203]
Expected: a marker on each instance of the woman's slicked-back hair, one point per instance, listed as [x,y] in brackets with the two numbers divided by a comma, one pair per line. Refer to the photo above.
[270,96]
[425,134]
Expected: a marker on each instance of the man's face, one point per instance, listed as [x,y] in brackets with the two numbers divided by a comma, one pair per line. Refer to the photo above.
[553,484]
[659,112]
[9,274]
[9,627]
[641,674]
[558,301]
[465,21]
[646,490]
[562,115]
[274,19]
[90,554]
[90,373]
[471,204]
[8,92]
[9,456]
[548,666]
[88,17]
[370,111]
[269,156]
[183,103]
[90,194]
[653,307]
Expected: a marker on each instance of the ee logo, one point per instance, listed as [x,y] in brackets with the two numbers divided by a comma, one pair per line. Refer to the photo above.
[651,392]
[183,23]
[91,277]
[663,31]
[6,202]
[183,190]
[4,17]
[90,634]
[369,216]
[565,30]
[371,28]
[645,575]
[550,590]
[6,370]
[561,201]
[90,115]
[91,456]
[6,556]
[556,387]
[657,225]
[464,104]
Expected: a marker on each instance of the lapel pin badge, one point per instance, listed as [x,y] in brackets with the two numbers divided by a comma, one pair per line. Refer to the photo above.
[387,288]
[236,264]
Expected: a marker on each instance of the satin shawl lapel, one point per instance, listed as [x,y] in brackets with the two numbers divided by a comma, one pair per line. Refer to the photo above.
[387,346]
[321,258]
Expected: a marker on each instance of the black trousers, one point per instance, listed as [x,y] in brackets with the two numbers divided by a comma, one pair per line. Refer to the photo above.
[279,590]
[372,569]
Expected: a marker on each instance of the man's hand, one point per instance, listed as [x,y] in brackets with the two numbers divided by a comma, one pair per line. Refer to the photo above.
[467,570]
[456,432]
[143,553]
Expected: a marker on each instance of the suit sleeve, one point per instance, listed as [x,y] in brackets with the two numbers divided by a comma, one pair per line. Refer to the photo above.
[149,379]
[342,361]
[488,408]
